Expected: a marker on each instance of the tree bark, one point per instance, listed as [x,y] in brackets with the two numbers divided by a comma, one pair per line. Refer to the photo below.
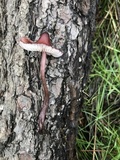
[71,27]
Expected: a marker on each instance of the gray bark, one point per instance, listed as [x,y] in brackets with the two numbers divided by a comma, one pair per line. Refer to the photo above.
[70,25]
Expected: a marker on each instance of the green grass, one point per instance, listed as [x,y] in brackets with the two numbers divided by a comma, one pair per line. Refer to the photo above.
[99,131]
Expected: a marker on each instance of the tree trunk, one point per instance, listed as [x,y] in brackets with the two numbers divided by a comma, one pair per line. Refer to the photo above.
[70,25]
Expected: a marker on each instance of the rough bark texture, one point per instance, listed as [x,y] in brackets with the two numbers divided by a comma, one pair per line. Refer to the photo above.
[70,24]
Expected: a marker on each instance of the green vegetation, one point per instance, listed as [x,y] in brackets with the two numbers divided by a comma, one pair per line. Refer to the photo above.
[99,131]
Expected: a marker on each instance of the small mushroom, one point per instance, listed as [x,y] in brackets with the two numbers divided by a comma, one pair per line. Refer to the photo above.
[43,44]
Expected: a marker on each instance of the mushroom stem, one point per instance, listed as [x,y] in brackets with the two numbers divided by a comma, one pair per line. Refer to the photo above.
[45,90]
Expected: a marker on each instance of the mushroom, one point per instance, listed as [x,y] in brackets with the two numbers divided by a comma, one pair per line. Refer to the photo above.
[43,44]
